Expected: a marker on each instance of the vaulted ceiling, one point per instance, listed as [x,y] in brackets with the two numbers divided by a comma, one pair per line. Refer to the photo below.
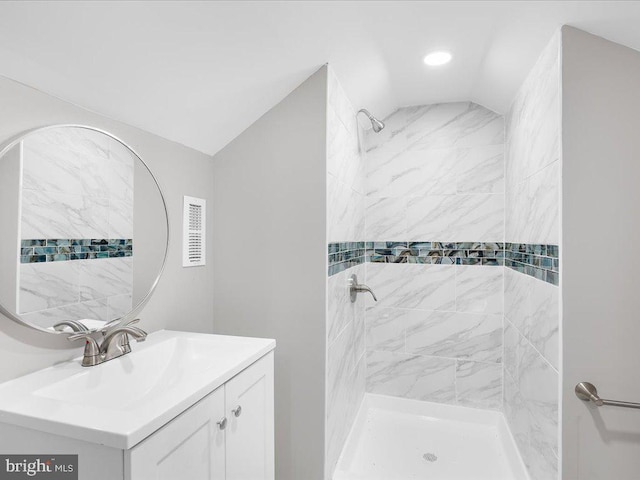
[199,73]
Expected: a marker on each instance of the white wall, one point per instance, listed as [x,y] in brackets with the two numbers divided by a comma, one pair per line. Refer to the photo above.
[600,198]
[436,174]
[183,298]
[270,260]
[531,334]
[149,231]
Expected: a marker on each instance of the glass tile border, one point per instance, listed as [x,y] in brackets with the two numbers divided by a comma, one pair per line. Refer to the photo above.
[540,261]
[436,253]
[344,255]
[67,249]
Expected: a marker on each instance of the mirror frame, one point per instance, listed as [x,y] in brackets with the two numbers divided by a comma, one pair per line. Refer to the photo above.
[15,140]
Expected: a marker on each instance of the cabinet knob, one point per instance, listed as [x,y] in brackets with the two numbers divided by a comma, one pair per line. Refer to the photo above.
[237,411]
[222,423]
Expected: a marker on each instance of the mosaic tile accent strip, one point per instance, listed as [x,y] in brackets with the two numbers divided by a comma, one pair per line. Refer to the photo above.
[436,253]
[536,260]
[344,255]
[67,249]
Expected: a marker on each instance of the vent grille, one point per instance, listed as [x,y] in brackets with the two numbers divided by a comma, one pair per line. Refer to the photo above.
[194,241]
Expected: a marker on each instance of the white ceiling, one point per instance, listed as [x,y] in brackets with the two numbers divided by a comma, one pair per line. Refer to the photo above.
[200,73]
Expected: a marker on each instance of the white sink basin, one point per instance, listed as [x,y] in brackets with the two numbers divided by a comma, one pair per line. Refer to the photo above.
[144,374]
[120,402]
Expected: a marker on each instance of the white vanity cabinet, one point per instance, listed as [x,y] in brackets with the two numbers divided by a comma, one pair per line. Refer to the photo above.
[249,400]
[181,406]
[191,446]
[229,435]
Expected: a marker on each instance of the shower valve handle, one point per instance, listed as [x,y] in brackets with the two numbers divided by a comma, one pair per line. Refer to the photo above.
[355,288]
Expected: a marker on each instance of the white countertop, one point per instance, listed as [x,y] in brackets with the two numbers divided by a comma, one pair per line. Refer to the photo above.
[121,402]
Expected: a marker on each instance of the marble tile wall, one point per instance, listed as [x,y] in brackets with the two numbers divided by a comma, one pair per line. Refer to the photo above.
[533,154]
[436,333]
[76,183]
[436,173]
[452,330]
[345,168]
[83,289]
[345,236]
[435,159]
[531,333]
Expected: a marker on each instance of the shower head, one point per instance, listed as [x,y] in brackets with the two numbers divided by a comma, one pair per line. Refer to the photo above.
[376,124]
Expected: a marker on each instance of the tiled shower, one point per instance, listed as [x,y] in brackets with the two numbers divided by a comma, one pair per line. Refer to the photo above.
[450,215]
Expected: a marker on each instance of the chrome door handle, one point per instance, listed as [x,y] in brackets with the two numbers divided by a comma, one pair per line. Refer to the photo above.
[355,288]
[222,423]
[589,393]
[237,411]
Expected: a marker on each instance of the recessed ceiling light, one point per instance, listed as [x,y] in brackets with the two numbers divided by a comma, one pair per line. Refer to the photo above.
[435,59]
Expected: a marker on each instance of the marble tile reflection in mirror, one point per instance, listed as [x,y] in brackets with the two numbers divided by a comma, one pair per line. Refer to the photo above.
[74,223]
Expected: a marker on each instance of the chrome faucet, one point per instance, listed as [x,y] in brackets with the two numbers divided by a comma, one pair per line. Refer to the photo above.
[114,345]
[75,325]
[355,288]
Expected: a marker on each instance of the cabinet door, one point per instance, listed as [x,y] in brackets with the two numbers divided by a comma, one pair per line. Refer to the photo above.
[250,437]
[189,447]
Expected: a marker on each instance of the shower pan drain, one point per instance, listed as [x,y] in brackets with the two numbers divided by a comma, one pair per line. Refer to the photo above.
[430,457]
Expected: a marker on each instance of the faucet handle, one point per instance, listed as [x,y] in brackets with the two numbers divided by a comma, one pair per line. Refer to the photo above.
[91,349]
[116,342]
[355,288]
[124,338]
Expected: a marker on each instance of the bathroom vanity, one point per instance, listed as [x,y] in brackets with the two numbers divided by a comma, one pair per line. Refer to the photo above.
[180,406]
[86,246]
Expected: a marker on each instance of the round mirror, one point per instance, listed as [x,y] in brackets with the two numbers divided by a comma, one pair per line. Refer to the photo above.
[84,229]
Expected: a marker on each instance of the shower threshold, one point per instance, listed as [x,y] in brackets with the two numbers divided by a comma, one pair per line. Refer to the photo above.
[396,439]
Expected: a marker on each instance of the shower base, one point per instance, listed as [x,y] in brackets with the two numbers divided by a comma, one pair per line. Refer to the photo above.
[397,439]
